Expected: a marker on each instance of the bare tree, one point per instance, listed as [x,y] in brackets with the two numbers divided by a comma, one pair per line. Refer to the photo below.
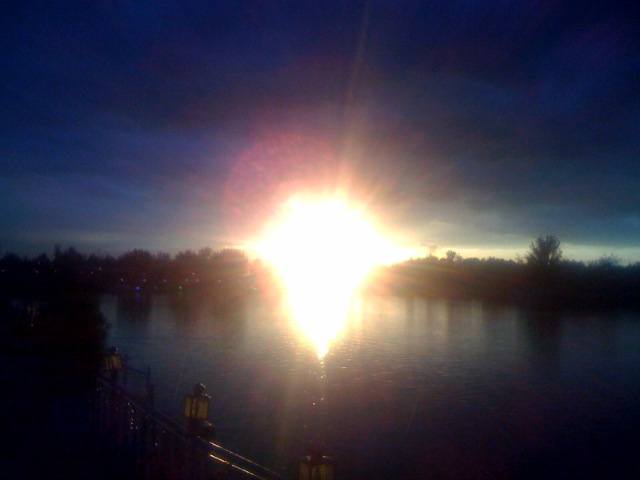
[544,251]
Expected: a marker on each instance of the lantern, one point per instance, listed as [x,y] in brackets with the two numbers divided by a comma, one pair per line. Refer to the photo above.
[113,362]
[196,406]
[316,466]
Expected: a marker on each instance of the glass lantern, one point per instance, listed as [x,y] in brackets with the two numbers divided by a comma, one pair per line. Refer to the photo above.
[113,362]
[316,467]
[196,406]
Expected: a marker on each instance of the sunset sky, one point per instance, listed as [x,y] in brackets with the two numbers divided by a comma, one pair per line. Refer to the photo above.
[465,125]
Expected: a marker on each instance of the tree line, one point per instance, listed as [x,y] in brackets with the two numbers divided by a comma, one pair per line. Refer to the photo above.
[541,278]
[135,271]
[49,306]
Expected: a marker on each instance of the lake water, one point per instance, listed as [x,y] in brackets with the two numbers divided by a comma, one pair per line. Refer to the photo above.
[409,389]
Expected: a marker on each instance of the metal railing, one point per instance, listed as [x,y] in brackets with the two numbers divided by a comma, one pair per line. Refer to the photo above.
[159,447]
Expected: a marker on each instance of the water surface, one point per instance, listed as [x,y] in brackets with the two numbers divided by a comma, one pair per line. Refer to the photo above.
[410,388]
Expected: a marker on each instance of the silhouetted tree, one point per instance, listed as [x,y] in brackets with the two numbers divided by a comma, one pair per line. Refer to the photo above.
[205,253]
[453,256]
[230,264]
[544,251]
[606,262]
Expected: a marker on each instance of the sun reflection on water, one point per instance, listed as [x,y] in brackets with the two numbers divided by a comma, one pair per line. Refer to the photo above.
[319,316]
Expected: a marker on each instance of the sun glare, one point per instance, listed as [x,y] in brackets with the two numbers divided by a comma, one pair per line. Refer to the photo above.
[322,251]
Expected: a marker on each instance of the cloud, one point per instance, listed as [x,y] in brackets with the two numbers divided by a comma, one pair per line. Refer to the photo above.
[499,119]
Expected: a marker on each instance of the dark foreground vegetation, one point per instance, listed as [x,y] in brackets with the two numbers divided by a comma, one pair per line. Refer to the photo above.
[52,340]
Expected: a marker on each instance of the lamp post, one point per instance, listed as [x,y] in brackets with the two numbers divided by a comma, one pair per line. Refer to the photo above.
[316,466]
[113,362]
[196,408]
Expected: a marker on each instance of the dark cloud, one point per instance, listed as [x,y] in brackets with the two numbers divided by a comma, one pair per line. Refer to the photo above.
[522,115]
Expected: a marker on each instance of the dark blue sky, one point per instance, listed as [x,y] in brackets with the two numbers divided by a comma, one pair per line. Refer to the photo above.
[168,125]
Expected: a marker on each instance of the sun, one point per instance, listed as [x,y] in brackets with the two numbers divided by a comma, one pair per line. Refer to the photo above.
[322,250]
